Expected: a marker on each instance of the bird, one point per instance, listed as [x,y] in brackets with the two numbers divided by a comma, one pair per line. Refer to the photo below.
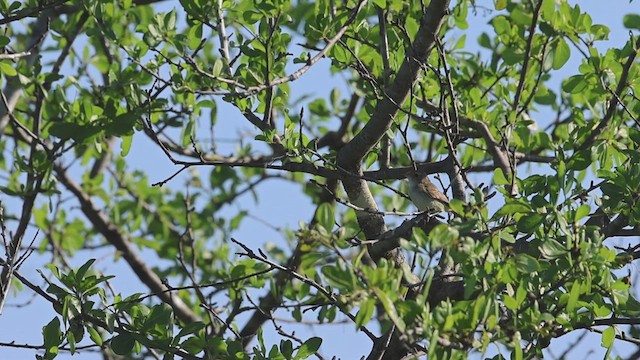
[425,195]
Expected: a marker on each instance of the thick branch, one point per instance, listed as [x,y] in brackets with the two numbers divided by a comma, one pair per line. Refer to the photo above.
[500,157]
[351,155]
[387,108]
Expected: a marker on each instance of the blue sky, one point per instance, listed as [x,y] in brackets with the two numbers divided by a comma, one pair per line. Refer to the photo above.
[283,207]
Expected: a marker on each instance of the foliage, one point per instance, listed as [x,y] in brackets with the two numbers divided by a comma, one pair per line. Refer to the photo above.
[524,259]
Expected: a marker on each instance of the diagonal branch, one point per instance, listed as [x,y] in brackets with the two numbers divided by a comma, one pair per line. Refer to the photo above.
[121,242]
[247,91]
[351,155]
[613,103]
[527,56]
[499,155]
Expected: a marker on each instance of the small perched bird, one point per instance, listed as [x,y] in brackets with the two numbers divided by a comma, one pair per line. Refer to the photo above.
[425,195]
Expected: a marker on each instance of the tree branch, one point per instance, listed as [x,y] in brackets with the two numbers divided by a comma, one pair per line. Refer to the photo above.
[116,238]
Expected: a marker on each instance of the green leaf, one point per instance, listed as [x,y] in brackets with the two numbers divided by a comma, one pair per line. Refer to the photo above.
[631,307]
[94,335]
[526,263]
[460,17]
[335,98]
[510,302]
[191,328]
[338,277]
[308,348]
[574,295]
[574,84]
[122,344]
[457,205]
[14,6]
[499,178]
[582,212]
[83,269]
[365,312]
[561,54]
[520,17]
[484,40]
[548,9]
[170,20]
[286,348]
[580,160]
[372,157]
[512,208]
[195,36]
[529,223]
[71,340]
[125,145]
[123,124]
[52,334]
[6,69]
[620,292]
[601,309]
[160,314]
[325,216]
[390,309]
[631,21]
[319,107]
[443,236]
[608,335]
[517,338]
[64,130]
[551,249]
